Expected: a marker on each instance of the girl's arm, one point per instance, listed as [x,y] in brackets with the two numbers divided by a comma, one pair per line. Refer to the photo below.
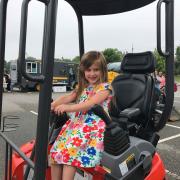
[64,99]
[84,106]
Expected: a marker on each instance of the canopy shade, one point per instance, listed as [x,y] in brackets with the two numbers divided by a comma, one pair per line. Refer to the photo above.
[104,7]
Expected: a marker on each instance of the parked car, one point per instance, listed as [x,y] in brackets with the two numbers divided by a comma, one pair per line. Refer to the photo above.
[113,70]
[115,66]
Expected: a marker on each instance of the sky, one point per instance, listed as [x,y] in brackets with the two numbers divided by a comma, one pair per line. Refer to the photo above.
[134,30]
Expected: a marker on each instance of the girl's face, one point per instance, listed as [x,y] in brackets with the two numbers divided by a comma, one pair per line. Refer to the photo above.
[93,74]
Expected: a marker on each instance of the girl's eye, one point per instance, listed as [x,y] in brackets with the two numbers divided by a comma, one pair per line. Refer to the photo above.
[96,69]
[88,70]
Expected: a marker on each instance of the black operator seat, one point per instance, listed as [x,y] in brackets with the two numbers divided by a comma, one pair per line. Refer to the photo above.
[133,104]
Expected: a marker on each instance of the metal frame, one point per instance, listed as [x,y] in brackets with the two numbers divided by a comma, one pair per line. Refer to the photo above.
[168,54]
[80,32]
[3,12]
[46,77]
[39,165]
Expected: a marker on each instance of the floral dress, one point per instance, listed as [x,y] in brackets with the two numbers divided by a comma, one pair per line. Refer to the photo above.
[80,142]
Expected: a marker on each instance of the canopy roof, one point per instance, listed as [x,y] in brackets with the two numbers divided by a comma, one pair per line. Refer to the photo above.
[104,7]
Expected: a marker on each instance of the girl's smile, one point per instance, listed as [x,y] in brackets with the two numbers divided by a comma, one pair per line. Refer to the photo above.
[93,74]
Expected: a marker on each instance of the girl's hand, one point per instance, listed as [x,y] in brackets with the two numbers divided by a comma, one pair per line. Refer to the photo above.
[53,106]
[62,108]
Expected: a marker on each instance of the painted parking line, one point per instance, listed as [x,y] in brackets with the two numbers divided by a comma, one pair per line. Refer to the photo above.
[171,174]
[170,125]
[33,112]
[169,138]
[175,176]
[160,141]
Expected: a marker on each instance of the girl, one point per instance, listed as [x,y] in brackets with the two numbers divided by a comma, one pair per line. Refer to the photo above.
[80,142]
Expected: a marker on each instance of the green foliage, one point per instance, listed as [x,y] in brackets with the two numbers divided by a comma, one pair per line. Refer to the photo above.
[6,67]
[76,59]
[178,53]
[177,68]
[63,59]
[57,59]
[177,78]
[113,55]
[67,60]
[29,58]
[177,61]
[160,62]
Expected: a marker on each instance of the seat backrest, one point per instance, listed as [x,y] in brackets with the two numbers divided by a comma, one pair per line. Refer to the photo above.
[135,87]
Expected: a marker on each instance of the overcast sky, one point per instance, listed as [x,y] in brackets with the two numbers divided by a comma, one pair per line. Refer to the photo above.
[135,29]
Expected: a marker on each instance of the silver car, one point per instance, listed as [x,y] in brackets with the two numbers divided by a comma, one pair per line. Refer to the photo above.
[115,66]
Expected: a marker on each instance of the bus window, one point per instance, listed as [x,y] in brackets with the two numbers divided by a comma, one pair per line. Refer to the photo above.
[34,67]
[31,67]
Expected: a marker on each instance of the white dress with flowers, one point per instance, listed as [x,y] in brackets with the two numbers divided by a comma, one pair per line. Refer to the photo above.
[80,142]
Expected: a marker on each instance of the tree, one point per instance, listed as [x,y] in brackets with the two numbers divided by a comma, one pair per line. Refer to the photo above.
[67,60]
[113,55]
[29,58]
[178,54]
[76,59]
[177,61]
[6,67]
[177,68]
[160,61]
[62,59]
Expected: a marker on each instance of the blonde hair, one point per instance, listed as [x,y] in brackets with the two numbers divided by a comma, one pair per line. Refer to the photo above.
[87,60]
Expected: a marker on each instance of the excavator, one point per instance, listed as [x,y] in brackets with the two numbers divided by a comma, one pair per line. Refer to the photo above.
[131,134]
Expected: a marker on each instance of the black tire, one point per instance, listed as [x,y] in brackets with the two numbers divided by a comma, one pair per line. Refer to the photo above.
[37,87]
[23,89]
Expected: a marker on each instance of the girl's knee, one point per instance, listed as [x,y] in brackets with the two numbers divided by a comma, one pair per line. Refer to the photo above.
[68,172]
[56,172]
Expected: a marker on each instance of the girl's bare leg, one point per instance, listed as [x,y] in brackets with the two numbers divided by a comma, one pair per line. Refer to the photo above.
[68,172]
[56,171]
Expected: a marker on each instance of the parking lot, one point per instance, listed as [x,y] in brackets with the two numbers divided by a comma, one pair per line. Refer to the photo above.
[25,105]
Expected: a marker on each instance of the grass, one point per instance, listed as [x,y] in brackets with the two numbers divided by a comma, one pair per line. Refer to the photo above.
[177,78]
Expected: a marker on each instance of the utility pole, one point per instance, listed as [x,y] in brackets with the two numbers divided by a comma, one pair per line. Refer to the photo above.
[132,48]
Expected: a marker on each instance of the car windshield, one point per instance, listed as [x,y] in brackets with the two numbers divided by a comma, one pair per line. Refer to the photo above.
[115,66]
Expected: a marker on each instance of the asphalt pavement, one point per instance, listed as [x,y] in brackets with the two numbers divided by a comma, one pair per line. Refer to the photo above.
[25,107]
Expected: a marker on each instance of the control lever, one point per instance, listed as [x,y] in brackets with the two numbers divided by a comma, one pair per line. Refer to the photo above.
[116,140]
[57,122]
[99,111]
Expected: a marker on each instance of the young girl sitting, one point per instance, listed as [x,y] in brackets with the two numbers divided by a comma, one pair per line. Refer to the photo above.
[80,142]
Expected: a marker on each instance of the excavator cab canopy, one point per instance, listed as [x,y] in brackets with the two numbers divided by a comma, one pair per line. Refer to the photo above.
[105,7]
